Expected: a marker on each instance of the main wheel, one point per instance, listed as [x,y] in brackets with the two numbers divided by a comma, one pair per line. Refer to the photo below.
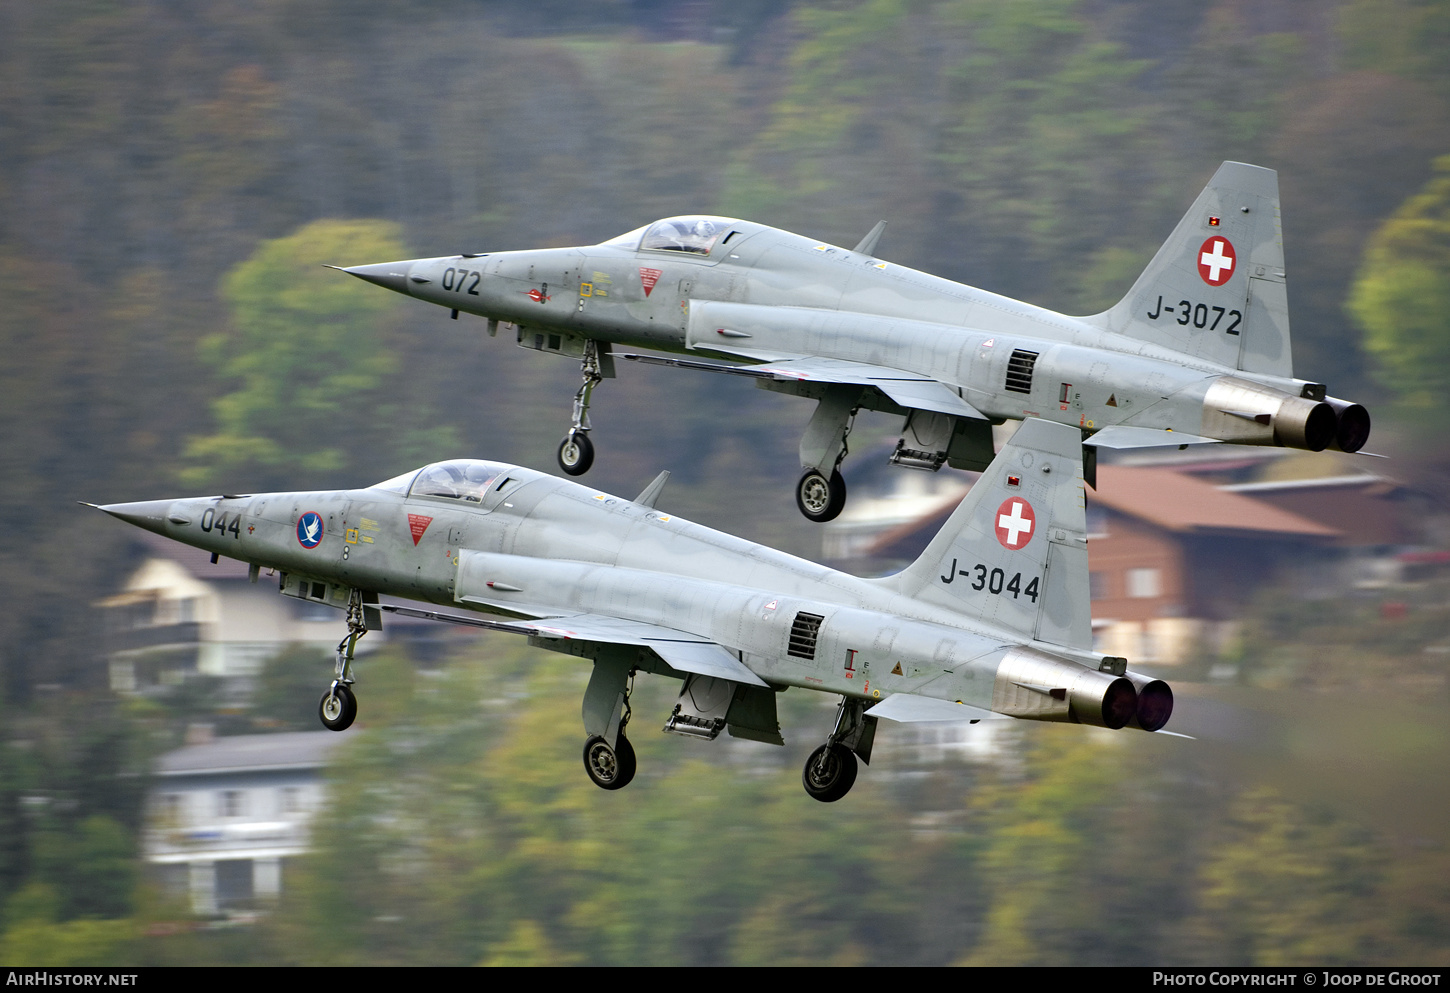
[337,709]
[609,768]
[829,773]
[576,453]
[820,499]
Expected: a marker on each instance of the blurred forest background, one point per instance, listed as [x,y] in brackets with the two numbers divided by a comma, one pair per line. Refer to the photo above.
[173,177]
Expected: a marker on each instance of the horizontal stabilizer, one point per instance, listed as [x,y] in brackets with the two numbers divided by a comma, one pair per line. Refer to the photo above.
[1128,436]
[908,708]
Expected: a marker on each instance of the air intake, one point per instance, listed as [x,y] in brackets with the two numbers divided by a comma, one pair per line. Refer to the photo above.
[1019,371]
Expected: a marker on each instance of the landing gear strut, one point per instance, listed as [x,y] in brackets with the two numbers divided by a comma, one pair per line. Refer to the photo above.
[830,772]
[576,451]
[338,707]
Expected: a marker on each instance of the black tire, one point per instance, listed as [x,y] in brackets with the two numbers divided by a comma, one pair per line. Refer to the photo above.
[609,768]
[820,499]
[576,453]
[337,712]
[830,773]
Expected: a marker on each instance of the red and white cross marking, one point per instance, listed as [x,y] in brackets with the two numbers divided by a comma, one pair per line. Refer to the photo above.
[1016,523]
[1216,261]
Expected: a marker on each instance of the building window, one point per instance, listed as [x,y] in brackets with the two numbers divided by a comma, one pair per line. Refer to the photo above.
[233,803]
[1098,585]
[171,809]
[289,800]
[1144,583]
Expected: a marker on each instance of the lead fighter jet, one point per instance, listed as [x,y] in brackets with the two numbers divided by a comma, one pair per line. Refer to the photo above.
[992,620]
[1198,351]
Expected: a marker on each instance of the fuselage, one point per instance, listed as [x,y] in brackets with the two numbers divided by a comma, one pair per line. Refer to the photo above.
[760,293]
[519,543]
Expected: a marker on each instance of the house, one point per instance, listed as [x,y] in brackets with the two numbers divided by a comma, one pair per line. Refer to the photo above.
[226,815]
[1174,560]
[180,615]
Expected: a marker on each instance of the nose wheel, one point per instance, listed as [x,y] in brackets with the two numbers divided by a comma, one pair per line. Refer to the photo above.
[338,708]
[576,453]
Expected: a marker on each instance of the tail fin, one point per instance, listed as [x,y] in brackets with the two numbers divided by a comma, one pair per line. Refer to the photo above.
[1014,552]
[1215,290]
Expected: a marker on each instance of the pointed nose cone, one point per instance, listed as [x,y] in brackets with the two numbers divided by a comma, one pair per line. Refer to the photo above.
[149,514]
[391,275]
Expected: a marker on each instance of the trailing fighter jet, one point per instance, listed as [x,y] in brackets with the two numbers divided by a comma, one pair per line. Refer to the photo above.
[992,621]
[1198,351]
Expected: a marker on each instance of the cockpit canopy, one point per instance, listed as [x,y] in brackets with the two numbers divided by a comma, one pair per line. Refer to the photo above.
[693,233]
[460,479]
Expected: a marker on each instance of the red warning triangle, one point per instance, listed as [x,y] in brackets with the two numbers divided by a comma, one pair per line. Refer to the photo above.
[417,524]
[648,278]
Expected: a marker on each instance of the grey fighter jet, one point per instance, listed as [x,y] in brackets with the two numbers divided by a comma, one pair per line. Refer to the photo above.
[1198,351]
[991,622]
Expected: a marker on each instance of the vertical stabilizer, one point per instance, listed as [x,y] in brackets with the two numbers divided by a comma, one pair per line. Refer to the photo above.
[1014,552]
[1216,289]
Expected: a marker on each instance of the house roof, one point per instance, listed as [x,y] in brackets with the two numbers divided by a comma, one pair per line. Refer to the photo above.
[252,753]
[1183,504]
[1165,497]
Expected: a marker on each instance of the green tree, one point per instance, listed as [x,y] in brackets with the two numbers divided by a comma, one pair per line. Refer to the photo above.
[1285,889]
[1402,299]
[308,355]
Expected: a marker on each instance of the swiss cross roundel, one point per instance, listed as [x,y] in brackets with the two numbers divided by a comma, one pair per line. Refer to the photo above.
[1216,260]
[1016,523]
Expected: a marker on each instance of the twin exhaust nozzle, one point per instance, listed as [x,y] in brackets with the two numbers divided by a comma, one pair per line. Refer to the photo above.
[1036,686]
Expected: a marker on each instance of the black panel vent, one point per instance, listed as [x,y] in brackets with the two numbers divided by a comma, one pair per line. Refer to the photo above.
[1019,371]
[803,635]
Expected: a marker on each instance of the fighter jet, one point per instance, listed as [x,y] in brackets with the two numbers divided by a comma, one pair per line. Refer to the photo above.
[991,622]
[1198,351]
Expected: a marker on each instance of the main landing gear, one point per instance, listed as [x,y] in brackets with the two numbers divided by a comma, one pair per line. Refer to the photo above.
[576,451]
[338,707]
[830,772]
[821,494]
[608,755]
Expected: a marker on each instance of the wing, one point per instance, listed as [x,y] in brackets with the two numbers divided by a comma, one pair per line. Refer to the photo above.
[908,389]
[682,651]
[1128,436]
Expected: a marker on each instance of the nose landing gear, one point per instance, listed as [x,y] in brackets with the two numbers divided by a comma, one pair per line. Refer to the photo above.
[338,707]
[576,451]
